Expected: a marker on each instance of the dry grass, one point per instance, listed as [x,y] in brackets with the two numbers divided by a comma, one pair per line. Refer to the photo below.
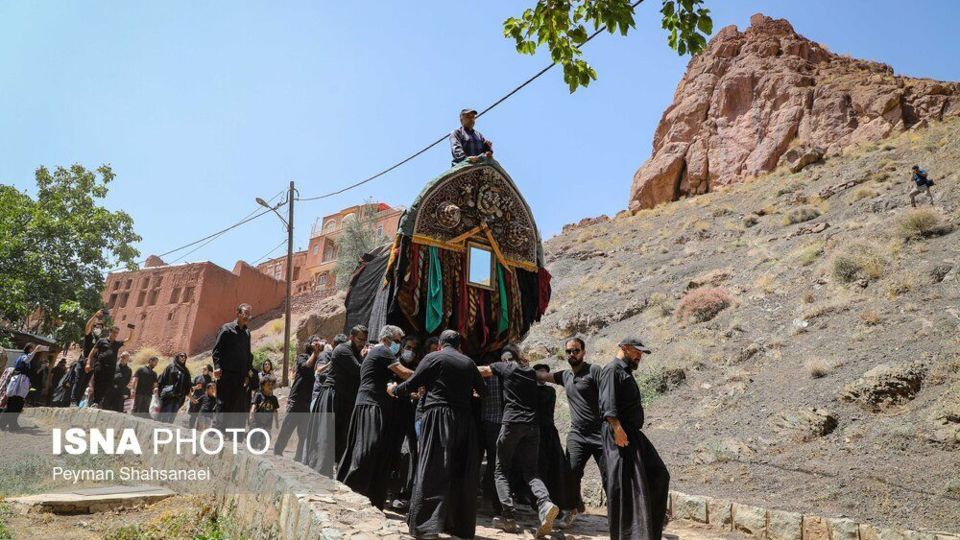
[864,193]
[765,283]
[799,215]
[871,318]
[901,283]
[860,260]
[921,223]
[701,305]
[661,304]
[818,368]
[145,353]
[275,326]
[837,305]
[809,253]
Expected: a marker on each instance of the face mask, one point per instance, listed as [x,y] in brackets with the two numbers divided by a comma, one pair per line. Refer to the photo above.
[394,348]
[97,331]
[407,356]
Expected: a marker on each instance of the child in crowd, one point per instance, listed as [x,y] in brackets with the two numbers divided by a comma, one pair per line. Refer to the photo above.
[264,412]
[208,407]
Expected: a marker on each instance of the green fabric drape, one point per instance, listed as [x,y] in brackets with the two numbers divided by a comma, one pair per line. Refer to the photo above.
[434,292]
[504,320]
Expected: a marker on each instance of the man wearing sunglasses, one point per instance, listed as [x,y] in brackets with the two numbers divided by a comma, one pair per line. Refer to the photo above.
[582,385]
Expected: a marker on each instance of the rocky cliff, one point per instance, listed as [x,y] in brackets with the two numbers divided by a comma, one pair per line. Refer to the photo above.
[751,96]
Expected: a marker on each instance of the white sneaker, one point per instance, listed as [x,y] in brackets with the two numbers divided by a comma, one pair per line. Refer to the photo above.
[547,515]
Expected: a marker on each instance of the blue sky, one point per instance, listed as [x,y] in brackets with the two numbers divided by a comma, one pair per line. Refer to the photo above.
[202,106]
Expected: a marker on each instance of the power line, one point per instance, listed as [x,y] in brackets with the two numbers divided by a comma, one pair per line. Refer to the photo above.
[267,254]
[444,137]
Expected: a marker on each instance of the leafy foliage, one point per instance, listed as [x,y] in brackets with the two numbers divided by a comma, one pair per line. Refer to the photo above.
[357,238]
[54,248]
[562,25]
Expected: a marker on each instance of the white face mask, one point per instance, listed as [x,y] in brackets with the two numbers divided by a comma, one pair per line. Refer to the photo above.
[407,355]
[97,331]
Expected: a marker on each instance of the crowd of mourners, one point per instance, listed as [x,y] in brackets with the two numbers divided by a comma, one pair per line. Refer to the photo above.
[412,423]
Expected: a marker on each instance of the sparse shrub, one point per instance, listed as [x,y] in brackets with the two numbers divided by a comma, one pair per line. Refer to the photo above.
[921,223]
[799,215]
[871,318]
[276,326]
[808,298]
[901,283]
[661,304]
[703,304]
[818,368]
[765,283]
[144,353]
[880,177]
[864,193]
[809,254]
[827,308]
[858,261]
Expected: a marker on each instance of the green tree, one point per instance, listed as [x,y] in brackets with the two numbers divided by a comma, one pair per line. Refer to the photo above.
[53,249]
[357,238]
[564,25]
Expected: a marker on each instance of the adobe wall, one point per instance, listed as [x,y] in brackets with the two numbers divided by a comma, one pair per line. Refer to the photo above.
[269,496]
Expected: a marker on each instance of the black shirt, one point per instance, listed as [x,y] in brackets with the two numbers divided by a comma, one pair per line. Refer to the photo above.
[450,378]
[88,342]
[302,384]
[231,353]
[121,378]
[546,403]
[107,351]
[344,373]
[208,403]
[583,395]
[265,407]
[374,375]
[620,396]
[319,381]
[519,392]
[146,378]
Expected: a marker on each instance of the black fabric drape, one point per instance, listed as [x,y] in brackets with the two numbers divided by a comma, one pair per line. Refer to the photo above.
[368,460]
[445,489]
[364,284]
[638,484]
[331,417]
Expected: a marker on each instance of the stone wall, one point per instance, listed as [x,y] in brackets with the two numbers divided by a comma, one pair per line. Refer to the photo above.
[275,497]
[781,525]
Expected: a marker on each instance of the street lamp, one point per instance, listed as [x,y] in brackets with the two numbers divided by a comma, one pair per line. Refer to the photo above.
[288,223]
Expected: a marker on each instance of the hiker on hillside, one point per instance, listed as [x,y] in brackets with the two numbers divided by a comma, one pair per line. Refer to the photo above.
[102,362]
[467,143]
[637,480]
[144,385]
[444,496]
[367,462]
[518,445]
[298,401]
[582,385]
[334,404]
[232,361]
[921,184]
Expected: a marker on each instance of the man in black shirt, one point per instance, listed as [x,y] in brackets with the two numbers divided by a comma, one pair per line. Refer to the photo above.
[637,479]
[198,392]
[367,462]
[444,496]
[120,389]
[102,362]
[298,401]
[518,445]
[144,385]
[582,385]
[93,331]
[231,364]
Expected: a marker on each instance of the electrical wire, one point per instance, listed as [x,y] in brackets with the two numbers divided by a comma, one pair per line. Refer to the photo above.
[267,254]
[444,137]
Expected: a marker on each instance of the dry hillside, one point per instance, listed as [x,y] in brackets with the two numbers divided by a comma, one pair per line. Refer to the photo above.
[804,327]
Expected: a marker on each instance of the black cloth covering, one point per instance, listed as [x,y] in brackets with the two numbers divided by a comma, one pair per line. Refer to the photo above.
[333,405]
[366,281]
[368,461]
[552,464]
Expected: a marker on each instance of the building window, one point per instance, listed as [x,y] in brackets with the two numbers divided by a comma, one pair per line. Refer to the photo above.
[329,253]
[379,232]
[188,294]
[316,249]
[116,284]
[129,283]
[296,273]
[170,316]
[331,225]
[141,297]
[322,279]
[123,300]
[153,297]
[175,295]
[145,282]
[113,300]
[158,282]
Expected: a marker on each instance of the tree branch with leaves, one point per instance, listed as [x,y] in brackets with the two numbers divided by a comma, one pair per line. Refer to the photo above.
[563,26]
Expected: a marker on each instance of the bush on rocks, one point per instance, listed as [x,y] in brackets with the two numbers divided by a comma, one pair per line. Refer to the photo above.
[701,305]
[921,223]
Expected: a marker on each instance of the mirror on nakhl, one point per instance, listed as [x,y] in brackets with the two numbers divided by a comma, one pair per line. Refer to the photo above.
[479,266]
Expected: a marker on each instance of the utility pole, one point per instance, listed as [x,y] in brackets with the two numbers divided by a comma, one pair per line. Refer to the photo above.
[286,326]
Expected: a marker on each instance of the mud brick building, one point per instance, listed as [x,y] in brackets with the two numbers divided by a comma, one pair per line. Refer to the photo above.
[181,307]
[277,268]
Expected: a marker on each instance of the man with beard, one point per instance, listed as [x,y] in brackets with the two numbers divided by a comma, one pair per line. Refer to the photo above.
[102,362]
[405,439]
[174,385]
[582,385]
[120,388]
[518,445]
[232,360]
[334,404]
[144,385]
[448,469]
[637,479]
[368,460]
[81,379]
[298,401]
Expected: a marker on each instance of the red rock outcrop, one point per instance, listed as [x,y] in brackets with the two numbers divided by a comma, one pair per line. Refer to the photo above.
[752,95]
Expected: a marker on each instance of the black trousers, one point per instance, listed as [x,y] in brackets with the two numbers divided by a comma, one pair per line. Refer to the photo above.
[102,381]
[580,448]
[8,416]
[141,403]
[638,485]
[490,432]
[518,449]
[296,418]
[83,380]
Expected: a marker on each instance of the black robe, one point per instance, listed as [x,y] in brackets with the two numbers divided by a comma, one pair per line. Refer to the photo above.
[444,498]
[332,409]
[553,466]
